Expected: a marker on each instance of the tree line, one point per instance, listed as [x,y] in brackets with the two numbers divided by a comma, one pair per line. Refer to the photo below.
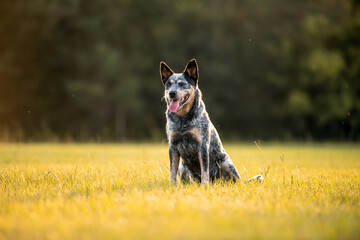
[89,69]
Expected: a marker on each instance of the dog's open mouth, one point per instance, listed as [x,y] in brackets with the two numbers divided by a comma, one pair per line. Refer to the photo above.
[177,104]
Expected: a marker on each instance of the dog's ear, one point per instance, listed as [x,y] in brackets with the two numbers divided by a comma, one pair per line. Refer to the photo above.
[165,72]
[192,70]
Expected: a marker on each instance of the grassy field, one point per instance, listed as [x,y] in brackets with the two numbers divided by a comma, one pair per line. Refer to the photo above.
[103,191]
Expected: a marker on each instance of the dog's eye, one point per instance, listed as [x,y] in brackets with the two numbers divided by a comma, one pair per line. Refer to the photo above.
[181,84]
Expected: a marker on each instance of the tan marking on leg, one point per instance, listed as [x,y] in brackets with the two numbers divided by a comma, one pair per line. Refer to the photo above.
[175,158]
[204,175]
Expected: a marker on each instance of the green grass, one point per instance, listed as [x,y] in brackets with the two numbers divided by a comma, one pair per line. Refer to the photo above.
[103,191]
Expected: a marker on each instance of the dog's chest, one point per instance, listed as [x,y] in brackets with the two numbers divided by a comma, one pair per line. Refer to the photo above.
[185,135]
[188,148]
[186,143]
[185,138]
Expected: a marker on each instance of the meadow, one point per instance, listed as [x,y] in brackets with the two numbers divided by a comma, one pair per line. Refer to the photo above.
[121,191]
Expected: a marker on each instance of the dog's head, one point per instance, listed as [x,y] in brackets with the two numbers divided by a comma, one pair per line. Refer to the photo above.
[180,87]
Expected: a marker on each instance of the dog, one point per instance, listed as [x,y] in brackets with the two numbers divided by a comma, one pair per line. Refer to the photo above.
[191,135]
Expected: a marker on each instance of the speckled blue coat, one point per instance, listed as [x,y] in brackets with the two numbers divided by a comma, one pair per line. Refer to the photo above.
[191,135]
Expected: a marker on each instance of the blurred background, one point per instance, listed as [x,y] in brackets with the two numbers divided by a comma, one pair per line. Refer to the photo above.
[88,70]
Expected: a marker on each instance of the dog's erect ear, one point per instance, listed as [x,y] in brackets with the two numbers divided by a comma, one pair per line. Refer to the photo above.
[192,70]
[165,72]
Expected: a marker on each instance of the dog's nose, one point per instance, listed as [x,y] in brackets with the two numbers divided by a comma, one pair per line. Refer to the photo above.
[172,94]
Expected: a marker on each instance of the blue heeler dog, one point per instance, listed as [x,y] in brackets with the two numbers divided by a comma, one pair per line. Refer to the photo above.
[190,132]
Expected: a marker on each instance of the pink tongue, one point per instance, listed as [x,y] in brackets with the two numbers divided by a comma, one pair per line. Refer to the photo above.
[174,105]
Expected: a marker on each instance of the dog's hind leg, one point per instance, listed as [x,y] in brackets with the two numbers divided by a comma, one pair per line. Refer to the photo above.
[228,170]
[184,174]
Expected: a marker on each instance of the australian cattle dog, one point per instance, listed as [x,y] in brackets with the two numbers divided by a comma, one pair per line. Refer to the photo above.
[190,132]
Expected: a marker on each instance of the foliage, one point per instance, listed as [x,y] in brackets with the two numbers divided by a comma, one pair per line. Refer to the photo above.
[89,69]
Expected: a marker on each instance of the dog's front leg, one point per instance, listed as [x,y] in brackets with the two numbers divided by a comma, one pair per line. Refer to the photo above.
[204,162]
[174,163]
